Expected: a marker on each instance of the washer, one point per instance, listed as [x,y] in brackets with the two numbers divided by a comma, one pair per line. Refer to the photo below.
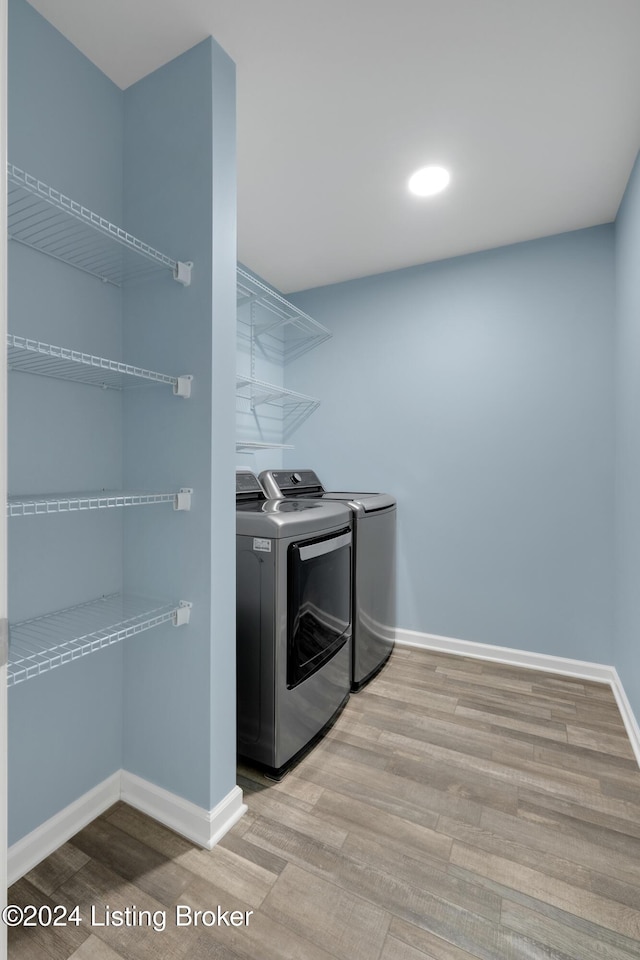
[374,564]
[293,622]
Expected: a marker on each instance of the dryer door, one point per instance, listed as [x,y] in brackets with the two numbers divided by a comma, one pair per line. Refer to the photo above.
[319,602]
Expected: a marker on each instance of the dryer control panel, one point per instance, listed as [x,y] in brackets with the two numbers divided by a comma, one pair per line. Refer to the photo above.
[248,486]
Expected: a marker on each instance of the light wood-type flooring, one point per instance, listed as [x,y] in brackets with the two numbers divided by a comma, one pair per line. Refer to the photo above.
[458,809]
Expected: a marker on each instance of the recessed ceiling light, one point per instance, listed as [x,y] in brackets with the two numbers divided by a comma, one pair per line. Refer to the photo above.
[428,180]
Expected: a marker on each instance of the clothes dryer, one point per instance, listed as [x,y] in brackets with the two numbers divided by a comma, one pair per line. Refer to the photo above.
[293,622]
[374,563]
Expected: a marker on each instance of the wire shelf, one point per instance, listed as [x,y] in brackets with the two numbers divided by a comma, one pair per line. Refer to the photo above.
[46,220]
[62,363]
[295,407]
[248,445]
[281,330]
[43,643]
[45,504]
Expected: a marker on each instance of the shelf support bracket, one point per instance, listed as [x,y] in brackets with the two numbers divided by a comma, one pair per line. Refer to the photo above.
[182,388]
[182,272]
[182,499]
[182,614]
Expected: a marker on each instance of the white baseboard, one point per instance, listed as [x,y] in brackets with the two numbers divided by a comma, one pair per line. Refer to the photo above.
[628,716]
[578,669]
[581,669]
[204,827]
[30,850]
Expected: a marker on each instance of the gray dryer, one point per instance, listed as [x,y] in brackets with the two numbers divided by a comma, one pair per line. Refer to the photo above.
[293,630]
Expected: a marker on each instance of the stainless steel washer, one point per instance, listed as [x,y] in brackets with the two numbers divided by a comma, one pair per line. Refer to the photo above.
[374,564]
[293,622]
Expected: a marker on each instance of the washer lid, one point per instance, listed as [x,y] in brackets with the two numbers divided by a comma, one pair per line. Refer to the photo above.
[289,518]
[362,502]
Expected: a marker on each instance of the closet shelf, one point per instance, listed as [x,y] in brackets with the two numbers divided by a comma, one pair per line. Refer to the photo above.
[46,220]
[248,445]
[43,643]
[294,407]
[280,330]
[62,363]
[36,505]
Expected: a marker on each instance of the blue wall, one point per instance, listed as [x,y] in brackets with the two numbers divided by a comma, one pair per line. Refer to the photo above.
[480,391]
[627,656]
[65,127]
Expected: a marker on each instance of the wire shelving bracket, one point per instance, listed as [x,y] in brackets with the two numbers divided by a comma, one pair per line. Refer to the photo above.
[279,329]
[44,643]
[62,363]
[295,407]
[40,505]
[46,220]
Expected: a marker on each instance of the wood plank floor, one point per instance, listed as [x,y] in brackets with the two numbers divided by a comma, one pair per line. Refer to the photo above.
[458,809]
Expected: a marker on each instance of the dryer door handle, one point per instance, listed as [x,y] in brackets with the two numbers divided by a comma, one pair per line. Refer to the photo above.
[325,546]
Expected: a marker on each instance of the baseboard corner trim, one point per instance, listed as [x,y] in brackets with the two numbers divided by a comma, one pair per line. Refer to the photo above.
[31,849]
[202,826]
[628,716]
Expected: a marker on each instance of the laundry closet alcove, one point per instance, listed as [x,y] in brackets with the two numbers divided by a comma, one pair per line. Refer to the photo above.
[121,435]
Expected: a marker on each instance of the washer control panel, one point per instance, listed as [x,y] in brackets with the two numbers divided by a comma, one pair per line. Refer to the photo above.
[285,483]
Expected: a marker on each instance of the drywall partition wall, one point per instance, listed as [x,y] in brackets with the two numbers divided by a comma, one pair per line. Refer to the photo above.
[627,642]
[65,127]
[480,391]
[179,684]
[222,611]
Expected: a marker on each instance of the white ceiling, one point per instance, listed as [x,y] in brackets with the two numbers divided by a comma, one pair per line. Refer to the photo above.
[533,105]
